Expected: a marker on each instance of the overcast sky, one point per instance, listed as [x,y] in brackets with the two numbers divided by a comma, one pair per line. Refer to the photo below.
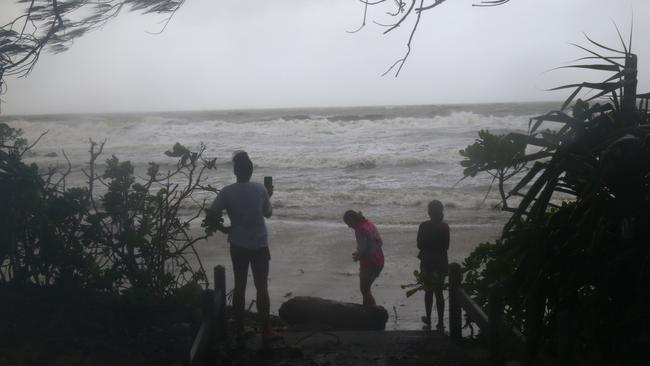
[297,53]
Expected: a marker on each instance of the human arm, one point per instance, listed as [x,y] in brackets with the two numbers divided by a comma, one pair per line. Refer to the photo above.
[421,240]
[214,222]
[364,244]
[214,216]
[445,236]
[267,210]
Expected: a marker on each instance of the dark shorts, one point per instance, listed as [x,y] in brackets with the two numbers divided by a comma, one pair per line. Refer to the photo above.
[258,259]
[439,268]
[368,275]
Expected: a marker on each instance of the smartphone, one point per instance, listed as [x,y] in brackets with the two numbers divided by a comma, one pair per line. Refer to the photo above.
[268,182]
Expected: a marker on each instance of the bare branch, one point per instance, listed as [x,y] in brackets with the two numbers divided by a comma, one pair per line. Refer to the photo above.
[65,174]
[363,23]
[28,148]
[408,15]
[491,3]
[54,24]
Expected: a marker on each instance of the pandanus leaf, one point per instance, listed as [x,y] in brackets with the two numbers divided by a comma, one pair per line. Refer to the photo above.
[570,98]
[542,142]
[599,86]
[541,203]
[597,58]
[565,190]
[614,99]
[608,59]
[600,108]
[529,197]
[618,75]
[537,167]
[604,47]
[618,31]
[600,94]
[591,67]
[538,122]
[561,117]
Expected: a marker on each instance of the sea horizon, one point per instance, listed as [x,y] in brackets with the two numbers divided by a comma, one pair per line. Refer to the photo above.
[279,108]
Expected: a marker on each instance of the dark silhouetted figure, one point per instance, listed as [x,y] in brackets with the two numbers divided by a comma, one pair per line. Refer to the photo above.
[369,253]
[247,204]
[433,242]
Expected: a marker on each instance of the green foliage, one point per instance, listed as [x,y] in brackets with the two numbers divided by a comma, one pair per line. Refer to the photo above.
[492,152]
[11,140]
[497,155]
[38,241]
[132,237]
[424,282]
[576,247]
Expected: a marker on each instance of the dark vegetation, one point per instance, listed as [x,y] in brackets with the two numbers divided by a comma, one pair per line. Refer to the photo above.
[105,273]
[574,257]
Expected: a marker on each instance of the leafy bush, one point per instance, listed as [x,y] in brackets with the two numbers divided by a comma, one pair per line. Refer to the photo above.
[573,257]
[130,237]
[496,155]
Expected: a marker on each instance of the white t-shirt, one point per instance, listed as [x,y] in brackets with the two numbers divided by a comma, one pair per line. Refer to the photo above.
[247,203]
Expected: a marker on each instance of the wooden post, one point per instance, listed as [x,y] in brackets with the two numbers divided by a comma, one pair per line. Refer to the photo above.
[206,332]
[455,323]
[208,303]
[221,330]
[208,314]
[495,323]
[533,321]
[183,343]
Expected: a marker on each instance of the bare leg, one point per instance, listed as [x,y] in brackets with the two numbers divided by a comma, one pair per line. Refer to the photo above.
[263,302]
[428,305]
[364,285]
[260,266]
[239,298]
[440,305]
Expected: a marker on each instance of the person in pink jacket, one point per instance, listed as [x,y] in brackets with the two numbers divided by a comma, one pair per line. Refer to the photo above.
[369,253]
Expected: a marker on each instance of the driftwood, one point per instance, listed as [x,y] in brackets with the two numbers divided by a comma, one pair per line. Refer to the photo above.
[332,315]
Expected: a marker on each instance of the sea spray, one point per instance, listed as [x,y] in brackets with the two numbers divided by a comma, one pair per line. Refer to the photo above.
[387,160]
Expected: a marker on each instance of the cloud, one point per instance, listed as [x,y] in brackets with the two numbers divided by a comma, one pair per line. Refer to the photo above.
[257,54]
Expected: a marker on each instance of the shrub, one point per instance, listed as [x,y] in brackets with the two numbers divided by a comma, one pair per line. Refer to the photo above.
[132,236]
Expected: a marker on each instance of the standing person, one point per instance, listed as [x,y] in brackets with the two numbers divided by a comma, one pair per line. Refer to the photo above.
[247,204]
[369,253]
[433,242]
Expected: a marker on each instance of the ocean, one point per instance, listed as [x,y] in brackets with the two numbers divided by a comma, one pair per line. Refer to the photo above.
[387,162]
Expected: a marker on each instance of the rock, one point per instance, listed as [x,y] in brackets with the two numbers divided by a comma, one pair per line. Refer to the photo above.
[51,155]
[332,315]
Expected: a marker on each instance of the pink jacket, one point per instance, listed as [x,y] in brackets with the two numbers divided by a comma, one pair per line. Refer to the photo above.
[369,245]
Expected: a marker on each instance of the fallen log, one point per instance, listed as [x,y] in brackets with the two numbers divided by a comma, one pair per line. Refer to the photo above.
[332,315]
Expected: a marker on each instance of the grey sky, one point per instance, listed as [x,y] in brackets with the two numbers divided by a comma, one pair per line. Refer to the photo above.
[296,53]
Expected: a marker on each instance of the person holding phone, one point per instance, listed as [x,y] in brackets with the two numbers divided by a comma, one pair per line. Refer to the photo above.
[247,205]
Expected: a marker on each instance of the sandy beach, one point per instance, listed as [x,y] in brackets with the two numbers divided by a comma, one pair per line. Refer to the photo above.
[314,259]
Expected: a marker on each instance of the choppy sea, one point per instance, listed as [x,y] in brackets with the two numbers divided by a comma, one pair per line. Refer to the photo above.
[387,162]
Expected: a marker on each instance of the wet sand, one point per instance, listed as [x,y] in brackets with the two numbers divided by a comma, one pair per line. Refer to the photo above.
[314,259]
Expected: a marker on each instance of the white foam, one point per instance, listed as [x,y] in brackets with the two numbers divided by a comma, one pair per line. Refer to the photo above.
[320,165]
